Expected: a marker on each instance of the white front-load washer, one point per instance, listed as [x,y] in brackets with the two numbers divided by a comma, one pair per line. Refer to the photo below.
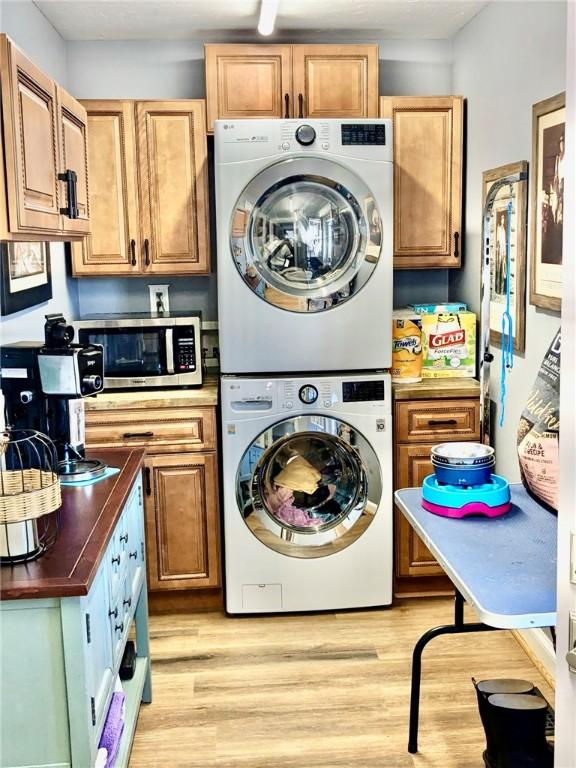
[304,226]
[307,492]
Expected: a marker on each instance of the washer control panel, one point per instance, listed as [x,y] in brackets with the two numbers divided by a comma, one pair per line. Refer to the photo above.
[308,394]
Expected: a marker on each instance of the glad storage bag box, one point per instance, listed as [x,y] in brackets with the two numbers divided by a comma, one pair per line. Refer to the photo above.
[449,345]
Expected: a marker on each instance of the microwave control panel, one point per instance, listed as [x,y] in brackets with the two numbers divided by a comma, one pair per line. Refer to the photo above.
[184,350]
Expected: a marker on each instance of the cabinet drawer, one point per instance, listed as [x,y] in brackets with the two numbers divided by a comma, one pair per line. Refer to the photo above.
[437,421]
[159,430]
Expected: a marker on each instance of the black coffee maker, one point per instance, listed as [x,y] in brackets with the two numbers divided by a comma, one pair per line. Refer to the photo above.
[44,387]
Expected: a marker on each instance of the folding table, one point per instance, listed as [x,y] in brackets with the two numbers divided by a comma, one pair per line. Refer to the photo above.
[504,567]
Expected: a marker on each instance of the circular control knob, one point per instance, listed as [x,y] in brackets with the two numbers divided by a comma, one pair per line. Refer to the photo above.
[305,135]
[308,394]
[92,383]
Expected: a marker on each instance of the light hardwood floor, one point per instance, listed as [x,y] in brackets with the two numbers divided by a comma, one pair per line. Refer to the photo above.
[329,689]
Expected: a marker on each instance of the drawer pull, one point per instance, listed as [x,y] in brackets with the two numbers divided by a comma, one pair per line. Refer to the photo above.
[127,602]
[116,560]
[124,538]
[148,486]
[114,612]
[442,422]
[133,554]
[138,434]
[119,627]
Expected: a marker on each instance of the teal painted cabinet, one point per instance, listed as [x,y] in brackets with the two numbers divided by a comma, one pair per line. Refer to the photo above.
[59,658]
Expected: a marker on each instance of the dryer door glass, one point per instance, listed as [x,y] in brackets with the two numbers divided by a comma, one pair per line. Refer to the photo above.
[309,486]
[306,234]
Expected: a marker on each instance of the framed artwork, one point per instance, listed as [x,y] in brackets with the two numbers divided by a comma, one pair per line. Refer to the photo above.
[508,219]
[25,278]
[547,201]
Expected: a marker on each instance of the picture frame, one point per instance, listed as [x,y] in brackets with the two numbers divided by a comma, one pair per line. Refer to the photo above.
[547,202]
[515,193]
[25,276]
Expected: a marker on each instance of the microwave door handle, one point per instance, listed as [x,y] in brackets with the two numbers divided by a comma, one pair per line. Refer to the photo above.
[169,350]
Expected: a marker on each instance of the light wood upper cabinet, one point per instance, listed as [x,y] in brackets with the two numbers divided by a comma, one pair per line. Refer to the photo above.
[335,81]
[245,81]
[291,81]
[428,149]
[72,125]
[173,186]
[44,134]
[181,501]
[149,188]
[114,244]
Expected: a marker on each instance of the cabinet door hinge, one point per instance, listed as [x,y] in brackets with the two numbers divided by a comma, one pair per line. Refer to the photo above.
[93,709]
[88,632]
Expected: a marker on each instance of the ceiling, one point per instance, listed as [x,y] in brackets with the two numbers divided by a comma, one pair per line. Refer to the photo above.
[237,19]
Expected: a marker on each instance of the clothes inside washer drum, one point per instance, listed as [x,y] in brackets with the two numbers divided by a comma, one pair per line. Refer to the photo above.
[299,475]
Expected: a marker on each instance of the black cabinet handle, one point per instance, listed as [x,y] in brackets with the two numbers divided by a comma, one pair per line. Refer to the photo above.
[127,602]
[300,105]
[442,422]
[286,105]
[71,180]
[116,560]
[119,627]
[124,538]
[113,613]
[138,434]
[133,252]
[147,252]
[133,554]
[456,241]
[148,486]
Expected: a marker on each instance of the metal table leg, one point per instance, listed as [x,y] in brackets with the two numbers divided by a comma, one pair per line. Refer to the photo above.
[459,627]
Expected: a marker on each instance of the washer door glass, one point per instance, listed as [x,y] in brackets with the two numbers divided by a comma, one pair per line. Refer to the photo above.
[306,234]
[309,486]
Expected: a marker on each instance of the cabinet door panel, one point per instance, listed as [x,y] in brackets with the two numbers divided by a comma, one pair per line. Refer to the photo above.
[247,81]
[182,521]
[413,558]
[428,137]
[174,187]
[72,124]
[336,80]
[113,247]
[30,144]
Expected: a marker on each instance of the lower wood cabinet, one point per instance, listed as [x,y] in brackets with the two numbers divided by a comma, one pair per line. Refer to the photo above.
[419,424]
[181,501]
[180,483]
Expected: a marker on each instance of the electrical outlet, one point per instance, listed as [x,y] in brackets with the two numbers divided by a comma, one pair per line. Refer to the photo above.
[159,299]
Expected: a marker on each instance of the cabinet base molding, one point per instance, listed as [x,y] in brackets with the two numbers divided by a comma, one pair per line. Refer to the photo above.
[189,601]
[423,586]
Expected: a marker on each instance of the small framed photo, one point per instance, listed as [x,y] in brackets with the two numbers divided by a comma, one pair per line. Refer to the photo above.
[547,201]
[508,220]
[25,278]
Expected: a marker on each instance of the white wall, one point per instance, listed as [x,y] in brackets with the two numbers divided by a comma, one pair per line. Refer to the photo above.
[175,70]
[40,41]
[508,57]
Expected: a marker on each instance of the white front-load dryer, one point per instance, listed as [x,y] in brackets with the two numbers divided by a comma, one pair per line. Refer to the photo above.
[307,492]
[304,226]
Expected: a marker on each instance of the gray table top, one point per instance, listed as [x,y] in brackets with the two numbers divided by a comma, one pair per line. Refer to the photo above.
[504,566]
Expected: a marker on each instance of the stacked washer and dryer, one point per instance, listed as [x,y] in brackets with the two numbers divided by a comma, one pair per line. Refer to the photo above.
[304,212]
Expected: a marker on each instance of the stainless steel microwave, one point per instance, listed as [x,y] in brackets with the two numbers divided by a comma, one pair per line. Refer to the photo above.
[146,350]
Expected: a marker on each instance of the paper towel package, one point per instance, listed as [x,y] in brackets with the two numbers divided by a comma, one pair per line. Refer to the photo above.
[449,345]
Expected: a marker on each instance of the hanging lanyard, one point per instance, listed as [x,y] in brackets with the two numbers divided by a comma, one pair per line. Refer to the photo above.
[507,361]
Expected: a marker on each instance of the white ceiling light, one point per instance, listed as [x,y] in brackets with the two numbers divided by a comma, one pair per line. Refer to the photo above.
[268,11]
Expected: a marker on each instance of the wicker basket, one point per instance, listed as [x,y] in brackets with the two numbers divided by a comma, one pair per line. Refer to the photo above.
[30,495]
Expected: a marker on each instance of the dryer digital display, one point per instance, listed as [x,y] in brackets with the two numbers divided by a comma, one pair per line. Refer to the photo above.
[363,133]
[362,391]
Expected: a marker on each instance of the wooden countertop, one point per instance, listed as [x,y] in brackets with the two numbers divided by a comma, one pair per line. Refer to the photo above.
[432,388]
[88,517]
[206,395]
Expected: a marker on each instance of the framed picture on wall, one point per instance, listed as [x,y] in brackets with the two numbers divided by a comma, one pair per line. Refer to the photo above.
[508,229]
[547,201]
[25,278]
